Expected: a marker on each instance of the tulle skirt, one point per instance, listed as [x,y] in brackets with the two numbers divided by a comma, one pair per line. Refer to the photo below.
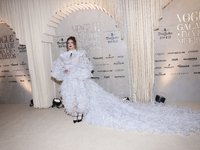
[101,108]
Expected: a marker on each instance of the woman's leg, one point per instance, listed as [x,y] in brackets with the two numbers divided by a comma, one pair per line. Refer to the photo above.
[75,115]
[80,117]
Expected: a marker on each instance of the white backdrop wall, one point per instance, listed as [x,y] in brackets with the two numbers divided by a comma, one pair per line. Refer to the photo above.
[96,33]
[15,83]
[35,21]
[177,52]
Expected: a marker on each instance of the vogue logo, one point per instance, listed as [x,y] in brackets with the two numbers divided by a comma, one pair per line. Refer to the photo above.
[160,74]
[193,51]
[160,60]
[97,57]
[183,66]
[174,59]
[190,59]
[176,53]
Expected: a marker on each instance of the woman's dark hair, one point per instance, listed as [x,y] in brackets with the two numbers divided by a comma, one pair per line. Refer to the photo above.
[73,39]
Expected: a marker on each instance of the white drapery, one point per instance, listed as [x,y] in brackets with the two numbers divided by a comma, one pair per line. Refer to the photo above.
[34,22]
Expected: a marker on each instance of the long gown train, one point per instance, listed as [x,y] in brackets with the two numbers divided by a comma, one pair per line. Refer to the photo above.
[102,108]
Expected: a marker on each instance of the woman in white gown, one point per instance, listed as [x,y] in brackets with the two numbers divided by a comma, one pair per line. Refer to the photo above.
[82,96]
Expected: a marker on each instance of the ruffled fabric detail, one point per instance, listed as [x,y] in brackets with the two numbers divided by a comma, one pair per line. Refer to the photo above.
[101,108]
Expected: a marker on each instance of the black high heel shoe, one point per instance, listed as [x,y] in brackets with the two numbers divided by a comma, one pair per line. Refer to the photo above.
[75,119]
[80,117]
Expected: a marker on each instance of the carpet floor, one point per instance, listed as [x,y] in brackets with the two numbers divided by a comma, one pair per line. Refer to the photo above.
[25,128]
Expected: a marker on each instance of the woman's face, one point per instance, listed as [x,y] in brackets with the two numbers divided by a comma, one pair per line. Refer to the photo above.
[70,44]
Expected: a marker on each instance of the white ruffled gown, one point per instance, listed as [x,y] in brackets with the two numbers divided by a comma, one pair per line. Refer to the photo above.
[104,109]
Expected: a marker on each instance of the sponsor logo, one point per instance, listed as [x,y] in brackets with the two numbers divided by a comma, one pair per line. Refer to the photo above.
[165,34]
[10,76]
[174,59]
[18,70]
[61,43]
[14,64]
[119,63]
[196,72]
[193,51]
[2,76]
[179,73]
[5,71]
[5,65]
[190,59]
[95,78]
[196,65]
[176,53]
[106,77]
[12,81]
[112,38]
[159,54]
[97,57]
[101,64]
[109,57]
[183,66]
[160,74]
[120,56]
[22,48]
[104,71]
[20,75]
[169,66]
[157,67]
[119,76]
[23,63]
[119,70]
[160,60]
[21,80]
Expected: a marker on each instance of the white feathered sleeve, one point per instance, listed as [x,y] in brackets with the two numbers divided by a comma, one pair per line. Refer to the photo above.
[58,69]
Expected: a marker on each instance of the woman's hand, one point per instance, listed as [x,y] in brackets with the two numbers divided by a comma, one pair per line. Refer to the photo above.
[66,71]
